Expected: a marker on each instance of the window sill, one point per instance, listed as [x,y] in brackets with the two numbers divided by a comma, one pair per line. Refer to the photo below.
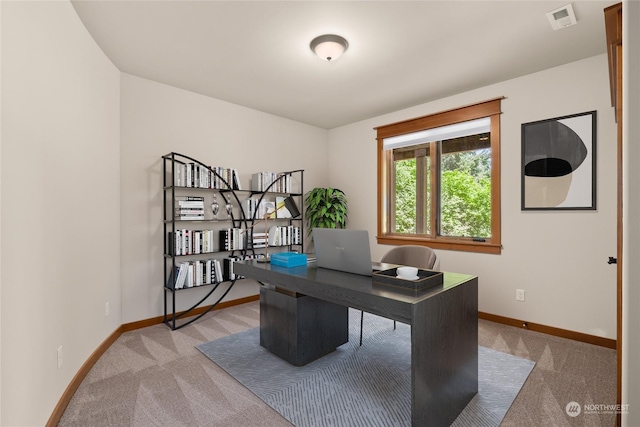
[464,245]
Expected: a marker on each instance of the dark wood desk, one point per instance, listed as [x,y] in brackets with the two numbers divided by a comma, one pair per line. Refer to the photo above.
[309,304]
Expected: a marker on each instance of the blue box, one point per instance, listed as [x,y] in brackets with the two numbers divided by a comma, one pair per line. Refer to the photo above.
[289,259]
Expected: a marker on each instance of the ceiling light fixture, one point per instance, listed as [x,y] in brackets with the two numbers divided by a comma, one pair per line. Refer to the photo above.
[329,46]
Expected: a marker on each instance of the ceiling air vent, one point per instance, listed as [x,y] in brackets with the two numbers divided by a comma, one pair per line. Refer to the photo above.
[562,17]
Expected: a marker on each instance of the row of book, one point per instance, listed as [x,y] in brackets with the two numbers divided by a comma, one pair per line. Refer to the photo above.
[261,181]
[196,273]
[189,207]
[190,242]
[191,274]
[284,235]
[195,175]
[194,242]
[232,239]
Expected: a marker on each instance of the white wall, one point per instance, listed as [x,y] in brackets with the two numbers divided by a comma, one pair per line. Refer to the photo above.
[60,204]
[631,213]
[158,119]
[558,258]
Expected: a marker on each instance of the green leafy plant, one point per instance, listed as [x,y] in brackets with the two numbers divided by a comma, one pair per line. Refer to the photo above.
[325,208]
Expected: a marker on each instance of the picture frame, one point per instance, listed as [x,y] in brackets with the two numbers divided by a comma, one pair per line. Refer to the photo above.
[559,163]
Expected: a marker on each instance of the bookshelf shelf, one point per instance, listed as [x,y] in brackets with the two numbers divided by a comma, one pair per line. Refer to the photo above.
[199,250]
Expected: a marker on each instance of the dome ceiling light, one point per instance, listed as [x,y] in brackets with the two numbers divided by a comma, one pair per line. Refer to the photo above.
[329,46]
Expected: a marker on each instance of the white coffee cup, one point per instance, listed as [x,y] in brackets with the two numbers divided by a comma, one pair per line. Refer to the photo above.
[407,272]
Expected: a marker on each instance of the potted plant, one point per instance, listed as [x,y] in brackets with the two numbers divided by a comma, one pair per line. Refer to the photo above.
[325,208]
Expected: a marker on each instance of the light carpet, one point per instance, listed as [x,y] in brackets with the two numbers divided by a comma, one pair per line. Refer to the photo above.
[360,386]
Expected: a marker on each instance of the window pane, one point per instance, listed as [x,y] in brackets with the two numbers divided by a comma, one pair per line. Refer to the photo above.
[412,190]
[465,193]
[405,196]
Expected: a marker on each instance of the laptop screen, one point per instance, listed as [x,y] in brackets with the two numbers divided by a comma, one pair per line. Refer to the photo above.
[343,250]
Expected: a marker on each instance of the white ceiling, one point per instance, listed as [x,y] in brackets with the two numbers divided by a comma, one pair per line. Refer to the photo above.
[401,54]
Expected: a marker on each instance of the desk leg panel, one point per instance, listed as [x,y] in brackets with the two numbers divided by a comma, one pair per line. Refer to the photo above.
[444,355]
[299,328]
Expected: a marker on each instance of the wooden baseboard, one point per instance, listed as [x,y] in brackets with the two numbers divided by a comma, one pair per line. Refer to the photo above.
[58,411]
[157,320]
[550,330]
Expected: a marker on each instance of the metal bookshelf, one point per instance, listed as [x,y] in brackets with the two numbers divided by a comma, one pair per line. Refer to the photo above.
[223,185]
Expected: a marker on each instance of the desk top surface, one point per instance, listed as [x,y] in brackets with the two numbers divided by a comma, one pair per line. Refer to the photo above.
[347,288]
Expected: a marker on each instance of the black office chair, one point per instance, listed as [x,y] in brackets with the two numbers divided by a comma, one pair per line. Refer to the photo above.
[412,255]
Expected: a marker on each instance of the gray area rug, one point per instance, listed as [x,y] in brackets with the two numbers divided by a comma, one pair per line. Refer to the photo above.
[360,386]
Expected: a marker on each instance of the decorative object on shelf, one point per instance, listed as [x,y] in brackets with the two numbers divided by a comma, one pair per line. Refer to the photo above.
[228,207]
[329,46]
[326,208]
[559,163]
[215,207]
[286,207]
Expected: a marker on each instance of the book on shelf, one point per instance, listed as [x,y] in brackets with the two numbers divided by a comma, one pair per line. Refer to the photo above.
[207,272]
[193,210]
[197,280]
[249,207]
[179,276]
[189,198]
[191,218]
[180,205]
[227,266]
[179,171]
[173,277]
[217,271]
[235,180]
[189,175]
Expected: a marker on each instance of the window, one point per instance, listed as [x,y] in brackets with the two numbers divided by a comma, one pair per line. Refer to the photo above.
[439,180]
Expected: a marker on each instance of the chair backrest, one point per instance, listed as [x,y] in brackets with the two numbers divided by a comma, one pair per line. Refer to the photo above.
[413,256]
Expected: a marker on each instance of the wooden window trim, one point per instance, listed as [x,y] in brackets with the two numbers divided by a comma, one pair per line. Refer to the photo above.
[490,108]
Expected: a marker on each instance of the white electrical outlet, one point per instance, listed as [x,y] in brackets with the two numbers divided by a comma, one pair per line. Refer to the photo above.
[106,308]
[519,294]
[59,357]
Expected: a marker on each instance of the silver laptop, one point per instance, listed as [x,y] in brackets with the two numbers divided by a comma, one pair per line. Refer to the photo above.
[344,250]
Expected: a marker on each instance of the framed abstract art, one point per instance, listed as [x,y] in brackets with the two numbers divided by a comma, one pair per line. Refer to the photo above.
[559,163]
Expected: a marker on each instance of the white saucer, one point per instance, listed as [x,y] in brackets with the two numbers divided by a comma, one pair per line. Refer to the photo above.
[407,278]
